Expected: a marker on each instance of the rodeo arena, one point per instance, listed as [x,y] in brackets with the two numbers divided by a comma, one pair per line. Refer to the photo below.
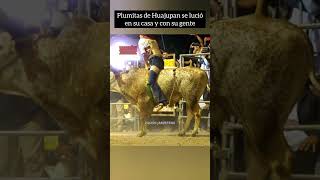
[234,157]
[33,145]
[184,81]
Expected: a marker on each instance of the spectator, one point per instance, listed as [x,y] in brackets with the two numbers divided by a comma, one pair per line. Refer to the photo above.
[310,14]
[306,111]
[22,114]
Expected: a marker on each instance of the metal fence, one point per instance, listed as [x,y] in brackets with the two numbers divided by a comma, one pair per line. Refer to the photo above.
[180,116]
[13,144]
[134,118]
[227,151]
[182,56]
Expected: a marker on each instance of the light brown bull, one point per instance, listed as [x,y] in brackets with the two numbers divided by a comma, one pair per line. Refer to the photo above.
[260,68]
[187,83]
[66,76]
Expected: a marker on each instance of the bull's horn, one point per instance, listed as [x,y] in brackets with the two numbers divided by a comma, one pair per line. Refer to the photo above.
[314,82]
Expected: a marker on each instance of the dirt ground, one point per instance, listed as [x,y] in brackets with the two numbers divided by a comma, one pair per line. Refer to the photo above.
[159,139]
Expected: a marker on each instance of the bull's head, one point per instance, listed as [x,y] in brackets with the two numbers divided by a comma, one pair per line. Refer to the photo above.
[114,86]
[11,82]
[121,81]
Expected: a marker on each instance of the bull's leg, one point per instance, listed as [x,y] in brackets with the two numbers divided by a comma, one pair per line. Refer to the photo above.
[255,168]
[275,167]
[197,118]
[270,157]
[187,124]
[142,124]
[280,166]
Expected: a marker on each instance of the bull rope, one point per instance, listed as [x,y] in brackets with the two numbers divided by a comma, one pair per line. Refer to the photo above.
[174,84]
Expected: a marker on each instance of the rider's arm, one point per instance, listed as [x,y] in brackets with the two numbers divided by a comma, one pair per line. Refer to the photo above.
[200,40]
[144,53]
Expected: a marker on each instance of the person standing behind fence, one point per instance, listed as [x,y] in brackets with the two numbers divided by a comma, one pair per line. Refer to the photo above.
[28,160]
[305,143]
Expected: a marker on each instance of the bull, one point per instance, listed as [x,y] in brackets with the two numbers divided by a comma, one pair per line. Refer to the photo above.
[187,83]
[66,76]
[260,68]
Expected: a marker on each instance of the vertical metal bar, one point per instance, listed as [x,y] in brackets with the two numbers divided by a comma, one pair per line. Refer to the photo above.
[216,162]
[13,155]
[300,12]
[88,8]
[226,8]
[181,61]
[224,148]
[164,46]
[80,7]
[208,122]
[232,149]
[234,8]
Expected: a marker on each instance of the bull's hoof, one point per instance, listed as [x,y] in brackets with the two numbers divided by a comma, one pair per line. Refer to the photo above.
[194,133]
[182,133]
[142,133]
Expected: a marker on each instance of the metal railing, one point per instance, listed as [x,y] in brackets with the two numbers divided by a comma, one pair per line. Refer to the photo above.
[181,116]
[12,154]
[310,26]
[227,150]
[136,123]
[181,57]
[179,109]
[32,133]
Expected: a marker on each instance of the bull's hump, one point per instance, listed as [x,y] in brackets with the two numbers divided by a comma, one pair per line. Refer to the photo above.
[252,29]
[252,21]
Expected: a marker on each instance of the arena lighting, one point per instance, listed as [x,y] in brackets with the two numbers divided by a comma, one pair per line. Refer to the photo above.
[31,12]
[119,61]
